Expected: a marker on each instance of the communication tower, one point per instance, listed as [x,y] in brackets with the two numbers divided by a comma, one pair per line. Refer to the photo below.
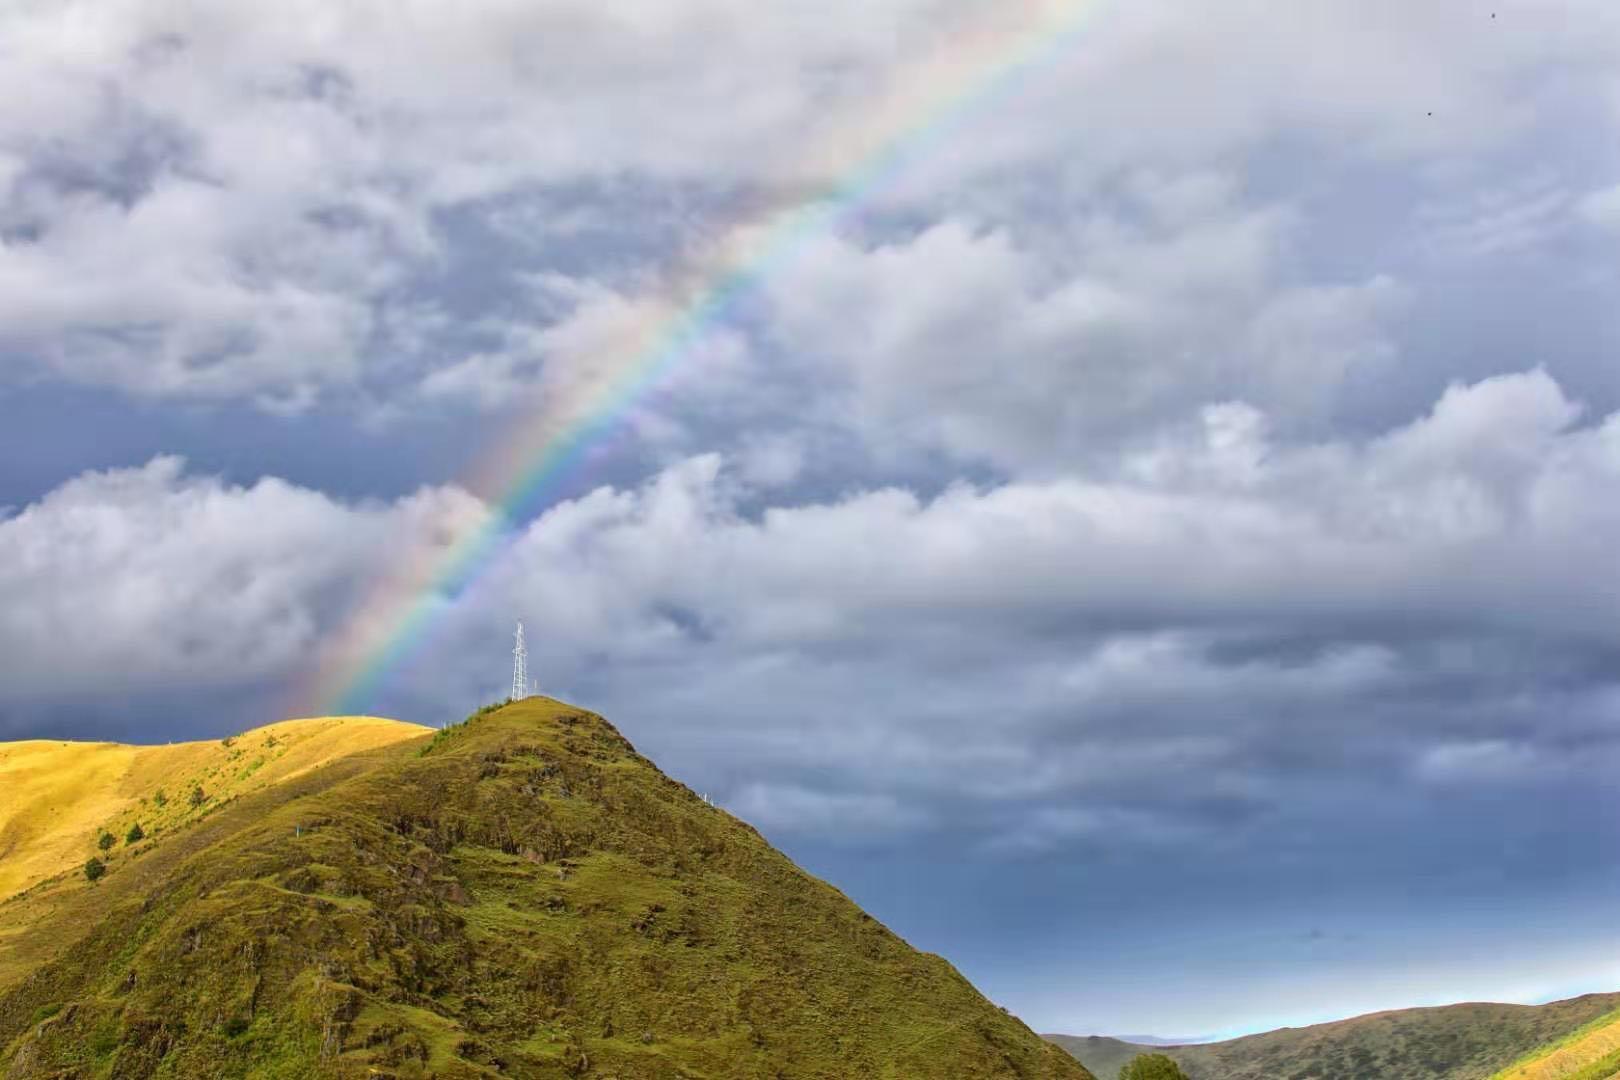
[520,666]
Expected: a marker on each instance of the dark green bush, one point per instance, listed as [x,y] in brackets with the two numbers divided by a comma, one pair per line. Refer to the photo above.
[94,869]
[1151,1067]
[135,833]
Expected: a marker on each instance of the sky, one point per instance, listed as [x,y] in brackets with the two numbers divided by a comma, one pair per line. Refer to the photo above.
[1153,544]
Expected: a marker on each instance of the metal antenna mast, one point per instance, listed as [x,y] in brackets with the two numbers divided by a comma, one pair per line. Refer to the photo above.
[520,666]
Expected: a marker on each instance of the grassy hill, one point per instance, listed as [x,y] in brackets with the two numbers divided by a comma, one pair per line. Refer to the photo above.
[521,895]
[1591,1052]
[1453,1042]
[57,798]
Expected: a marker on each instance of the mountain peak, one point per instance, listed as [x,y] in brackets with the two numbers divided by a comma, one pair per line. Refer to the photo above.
[522,894]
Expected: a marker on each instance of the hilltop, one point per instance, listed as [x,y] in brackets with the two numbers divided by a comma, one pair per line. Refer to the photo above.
[1452,1042]
[520,895]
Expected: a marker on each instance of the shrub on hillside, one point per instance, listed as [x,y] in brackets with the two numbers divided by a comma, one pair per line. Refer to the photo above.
[198,795]
[1151,1067]
[135,833]
[160,798]
[94,868]
[107,840]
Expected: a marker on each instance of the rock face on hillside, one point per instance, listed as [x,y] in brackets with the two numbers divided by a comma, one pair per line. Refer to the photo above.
[523,895]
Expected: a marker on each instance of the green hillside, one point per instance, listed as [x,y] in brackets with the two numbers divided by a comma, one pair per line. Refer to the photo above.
[521,895]
[1453,1042]
[57,798]
[1591,1052]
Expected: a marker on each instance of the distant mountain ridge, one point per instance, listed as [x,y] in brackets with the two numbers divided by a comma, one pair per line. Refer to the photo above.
[1157,1040]
[1471,1041]
[519,895]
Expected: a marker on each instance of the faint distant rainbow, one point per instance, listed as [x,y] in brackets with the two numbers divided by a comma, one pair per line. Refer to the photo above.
[973,72]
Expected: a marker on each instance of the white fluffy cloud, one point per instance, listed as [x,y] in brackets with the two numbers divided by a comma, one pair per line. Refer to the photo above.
[963,340]
[148,577]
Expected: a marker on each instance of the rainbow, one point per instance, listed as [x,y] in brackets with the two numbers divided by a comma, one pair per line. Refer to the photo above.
[977,67]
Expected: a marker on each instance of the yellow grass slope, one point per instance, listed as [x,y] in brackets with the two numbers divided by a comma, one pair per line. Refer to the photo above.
[1591,1053]
[57,798]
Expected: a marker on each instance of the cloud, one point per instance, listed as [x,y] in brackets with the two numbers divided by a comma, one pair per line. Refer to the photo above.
[788,808]
[963,340]
[1214,605]
[1496,222]
[132,580]
[1055,828]
[1602,208]
[598,353]
[341,204]
[221,208]
[1484,760]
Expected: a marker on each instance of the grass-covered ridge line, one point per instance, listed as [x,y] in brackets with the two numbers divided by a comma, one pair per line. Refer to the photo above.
[520,895]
